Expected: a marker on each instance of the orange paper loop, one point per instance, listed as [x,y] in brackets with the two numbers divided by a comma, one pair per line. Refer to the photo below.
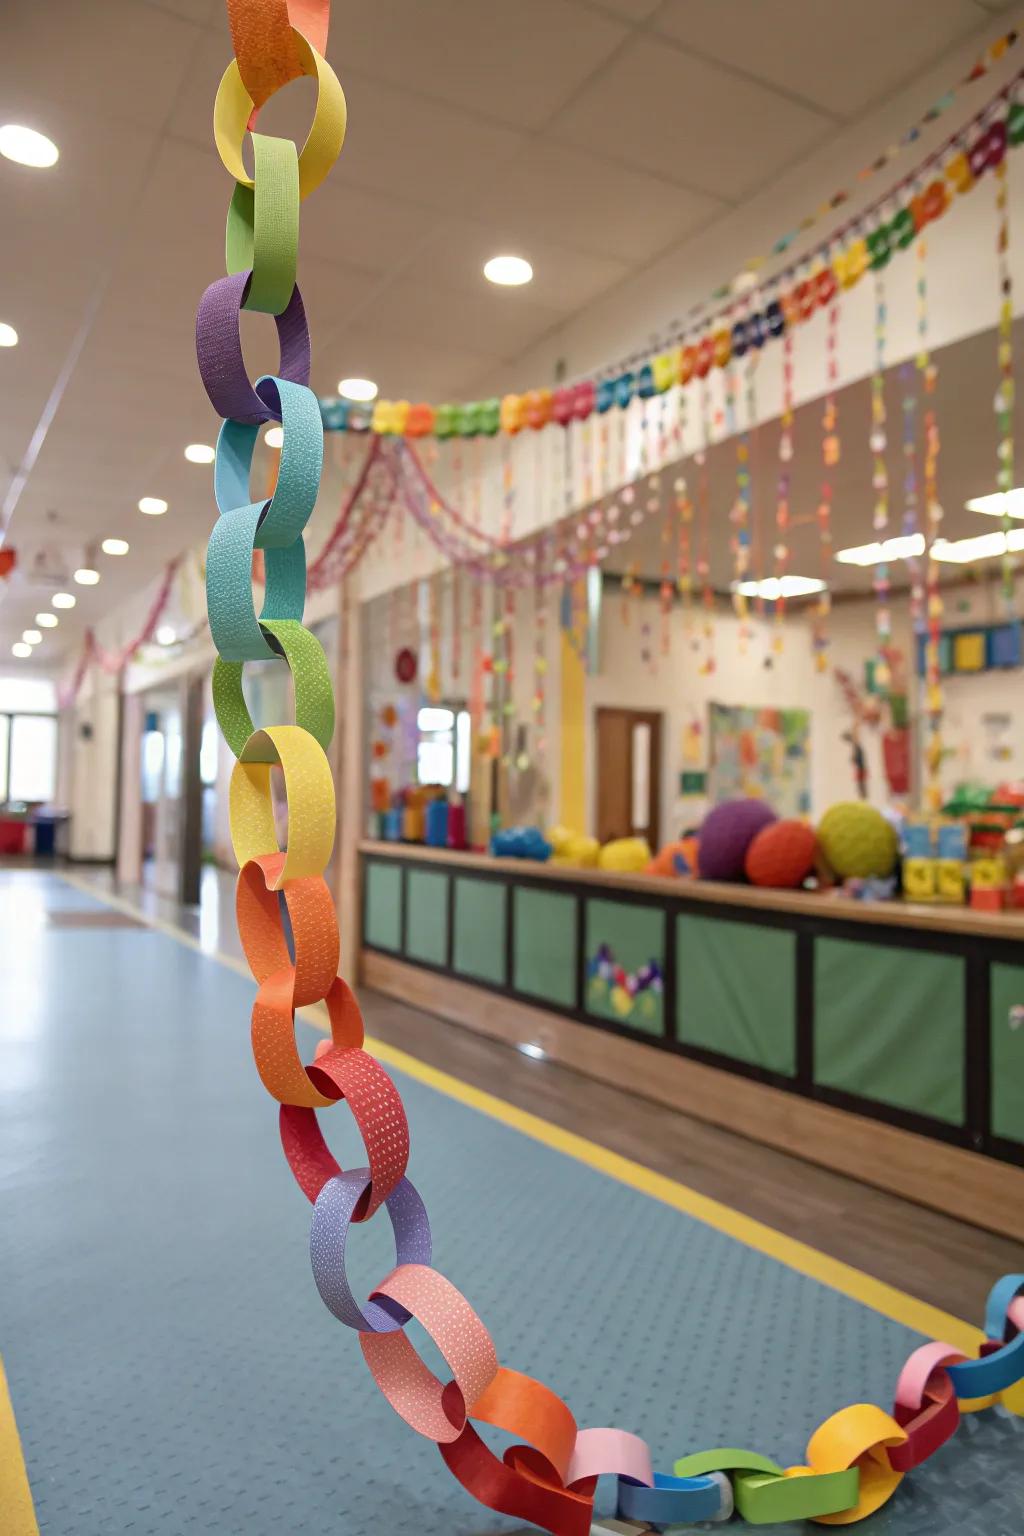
[273,1038]
[313,923]
[263,44]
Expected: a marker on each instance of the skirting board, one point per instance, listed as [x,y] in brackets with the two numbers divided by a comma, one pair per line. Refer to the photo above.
[980,1190]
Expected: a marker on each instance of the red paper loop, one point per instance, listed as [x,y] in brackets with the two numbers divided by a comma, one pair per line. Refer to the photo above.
[377,1110]
[934,1423]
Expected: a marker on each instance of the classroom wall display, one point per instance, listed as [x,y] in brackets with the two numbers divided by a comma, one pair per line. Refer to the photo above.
[765,753]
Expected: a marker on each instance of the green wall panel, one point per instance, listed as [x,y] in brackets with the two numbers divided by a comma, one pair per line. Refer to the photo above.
[1007,983]
[382,920]
[544,945]
[736,990]
[479,942]
[634,936]
[889,1025]
[426,922]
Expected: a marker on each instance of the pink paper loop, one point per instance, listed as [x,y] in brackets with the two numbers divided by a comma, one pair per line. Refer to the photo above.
[615,1452]
[921,1366]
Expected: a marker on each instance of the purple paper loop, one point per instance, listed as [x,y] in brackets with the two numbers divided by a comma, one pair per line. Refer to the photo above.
[219,349]
[332,1217]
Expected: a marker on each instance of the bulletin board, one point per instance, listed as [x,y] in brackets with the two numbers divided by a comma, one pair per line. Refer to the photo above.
[761,752]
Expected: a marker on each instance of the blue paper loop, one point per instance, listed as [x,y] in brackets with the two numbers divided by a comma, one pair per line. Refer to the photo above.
[993,1373]
[229,597]
[302,460]
[672,1500]
[999,1298]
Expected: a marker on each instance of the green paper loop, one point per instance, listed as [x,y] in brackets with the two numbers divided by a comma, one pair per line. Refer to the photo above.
[767,1500]
[726,1459]
[263,226]
[314,696]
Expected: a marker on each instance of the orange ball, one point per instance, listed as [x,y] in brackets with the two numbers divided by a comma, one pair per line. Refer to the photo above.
[782,854]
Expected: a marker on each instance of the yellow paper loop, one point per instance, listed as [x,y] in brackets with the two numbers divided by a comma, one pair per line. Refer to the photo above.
[310,792]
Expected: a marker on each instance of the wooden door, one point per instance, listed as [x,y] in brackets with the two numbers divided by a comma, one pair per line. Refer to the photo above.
[628,774]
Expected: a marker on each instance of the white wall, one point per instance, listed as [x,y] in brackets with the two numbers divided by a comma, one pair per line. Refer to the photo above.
[95,749]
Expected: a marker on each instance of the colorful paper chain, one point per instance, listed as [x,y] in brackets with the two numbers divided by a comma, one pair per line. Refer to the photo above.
[838,264]
[857,1458]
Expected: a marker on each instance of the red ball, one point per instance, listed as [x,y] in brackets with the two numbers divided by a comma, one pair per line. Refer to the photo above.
[781,854]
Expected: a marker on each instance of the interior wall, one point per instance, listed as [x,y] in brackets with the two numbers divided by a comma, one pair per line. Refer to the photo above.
[95,756]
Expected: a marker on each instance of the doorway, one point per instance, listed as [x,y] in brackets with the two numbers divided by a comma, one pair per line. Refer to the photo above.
[628,774]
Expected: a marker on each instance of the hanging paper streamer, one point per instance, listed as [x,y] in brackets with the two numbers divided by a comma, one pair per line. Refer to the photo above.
[880,484]
[933,517]
[741,506]
[704,512]
[910,492]
[830,453]
[782,497]
[1005,391]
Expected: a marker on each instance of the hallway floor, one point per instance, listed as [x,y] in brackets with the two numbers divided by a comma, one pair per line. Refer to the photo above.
[172,1369]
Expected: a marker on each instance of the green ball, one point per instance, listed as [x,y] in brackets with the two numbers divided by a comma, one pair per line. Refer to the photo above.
[857,841]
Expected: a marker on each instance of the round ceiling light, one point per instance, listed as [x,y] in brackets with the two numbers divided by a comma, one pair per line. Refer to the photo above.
[47,620]
[114,546]
[153,506]
[8,335]
[86,576]
[27,147]
[508,271]
[31,636]
[19,648]
[200,453]
[63,600]
[362,390]
[165,635]
[274,437]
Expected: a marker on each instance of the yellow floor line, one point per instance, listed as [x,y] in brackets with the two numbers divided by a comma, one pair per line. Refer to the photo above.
[15,1495]
[876,1294]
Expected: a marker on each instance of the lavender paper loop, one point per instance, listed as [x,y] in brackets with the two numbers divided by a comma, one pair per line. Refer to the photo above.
[332,1217]
[219,349]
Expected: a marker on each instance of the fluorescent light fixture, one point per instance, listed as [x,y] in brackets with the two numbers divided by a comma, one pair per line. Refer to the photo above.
[63,600]
[357,389]
[999,503]
[31,636]
[274,437]
[200,453]
[508,271]
[27,147]
[47,620]
[985,546]
[19,648]
[905,547]
[772,587]
[114,546]
[8,335]
[435,719]
[153,506]
[165,635]
[86,576]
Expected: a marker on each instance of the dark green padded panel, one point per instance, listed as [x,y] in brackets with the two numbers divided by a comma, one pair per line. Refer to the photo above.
[479,945]
[627,937]
[1007,984]
[426,921]
[544,945]
[382,919]
[736,990]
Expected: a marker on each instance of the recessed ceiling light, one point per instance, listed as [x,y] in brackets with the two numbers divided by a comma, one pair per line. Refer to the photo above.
[63,600]
[1010,503]
[86,576]
[985,546]
[47,620]
[19,648]
[8,335]
[903,548]
[772,587]
[153,506]
[165,635]
[357,389]
[27,147]
[274,437]
[200,453]
[508,271]
[31,636]
[114,546]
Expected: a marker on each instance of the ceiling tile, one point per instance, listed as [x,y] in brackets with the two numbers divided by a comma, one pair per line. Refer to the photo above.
[432,315]
[111,57]
[511,63]
[564,279]
[591,204]
[657,108]
[366,229]
[840,57]
[403,368]
[630,10]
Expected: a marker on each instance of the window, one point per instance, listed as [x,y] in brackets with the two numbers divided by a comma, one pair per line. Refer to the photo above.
[33,758]
[443,747]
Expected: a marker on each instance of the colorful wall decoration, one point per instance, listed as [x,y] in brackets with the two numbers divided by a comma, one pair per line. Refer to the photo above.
[765,753]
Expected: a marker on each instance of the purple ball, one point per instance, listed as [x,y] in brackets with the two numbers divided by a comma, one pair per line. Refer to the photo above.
[726,835]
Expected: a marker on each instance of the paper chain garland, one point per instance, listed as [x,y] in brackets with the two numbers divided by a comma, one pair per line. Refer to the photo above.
[866,245]
[856,1460]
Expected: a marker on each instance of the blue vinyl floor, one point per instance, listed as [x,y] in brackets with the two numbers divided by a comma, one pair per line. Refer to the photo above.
[171,1365]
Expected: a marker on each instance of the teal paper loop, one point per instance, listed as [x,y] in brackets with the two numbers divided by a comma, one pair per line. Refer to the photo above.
[302,461]
[233,623]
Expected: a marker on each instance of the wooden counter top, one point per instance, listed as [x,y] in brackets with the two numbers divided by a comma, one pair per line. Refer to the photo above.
[894,914]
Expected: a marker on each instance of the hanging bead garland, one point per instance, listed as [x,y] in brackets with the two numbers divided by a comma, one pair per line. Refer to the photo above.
[742,505]
[704,510]
[1005,392]
[782,498]
[880,484]
[910,492]
[933,516]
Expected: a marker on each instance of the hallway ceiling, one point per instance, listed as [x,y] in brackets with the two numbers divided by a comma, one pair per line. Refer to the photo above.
[592,136]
